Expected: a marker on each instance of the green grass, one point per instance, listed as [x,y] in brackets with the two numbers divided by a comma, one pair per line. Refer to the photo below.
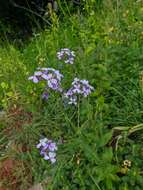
[104,129]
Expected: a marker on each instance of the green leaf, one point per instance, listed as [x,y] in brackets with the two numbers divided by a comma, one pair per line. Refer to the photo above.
[103,140]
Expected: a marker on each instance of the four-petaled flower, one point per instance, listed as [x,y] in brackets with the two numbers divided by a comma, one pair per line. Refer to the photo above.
[47,149]
[79,87]
[67,55]
[50,156]
[42,143]
[51,76]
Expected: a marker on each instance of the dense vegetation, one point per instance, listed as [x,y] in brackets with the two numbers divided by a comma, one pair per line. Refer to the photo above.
[99,141]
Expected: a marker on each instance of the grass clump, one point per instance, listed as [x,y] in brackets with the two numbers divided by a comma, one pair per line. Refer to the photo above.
[99,140]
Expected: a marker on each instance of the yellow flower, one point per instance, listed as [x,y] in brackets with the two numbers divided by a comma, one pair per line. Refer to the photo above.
[127,163]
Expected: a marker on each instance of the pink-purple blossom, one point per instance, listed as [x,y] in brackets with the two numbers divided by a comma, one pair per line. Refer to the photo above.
[47,149]
[79,87]
[51,76]
[45,95]
[67,55]
[50,156]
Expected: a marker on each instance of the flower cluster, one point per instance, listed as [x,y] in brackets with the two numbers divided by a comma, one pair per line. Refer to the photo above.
[67,55]
[79,87]
[53,80]
[47,149]
[51,76]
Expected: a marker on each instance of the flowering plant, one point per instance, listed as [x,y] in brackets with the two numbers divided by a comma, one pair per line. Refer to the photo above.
[53,79]
[47,149]
[79,87]
[51,76]
[67,55]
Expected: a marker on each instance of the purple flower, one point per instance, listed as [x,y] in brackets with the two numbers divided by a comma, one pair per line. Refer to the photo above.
[79,87]
[34,79]
[52,146]
[58,75]
[42,143]
[53,84]
[42,152]
[47,149]
[51,76]
[37,73]
[51,156]
[45,96]
[67,55]
[45,76]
